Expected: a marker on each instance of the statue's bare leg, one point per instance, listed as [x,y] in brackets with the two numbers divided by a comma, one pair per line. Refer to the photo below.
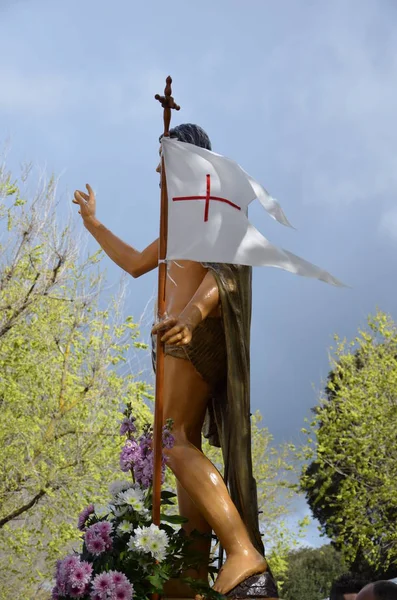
[196,522]
[175,588]
[185,401]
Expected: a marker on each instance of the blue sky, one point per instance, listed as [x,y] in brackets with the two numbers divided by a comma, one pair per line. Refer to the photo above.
[301,94]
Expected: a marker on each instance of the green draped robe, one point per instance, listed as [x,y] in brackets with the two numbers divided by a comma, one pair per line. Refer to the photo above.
[228,420]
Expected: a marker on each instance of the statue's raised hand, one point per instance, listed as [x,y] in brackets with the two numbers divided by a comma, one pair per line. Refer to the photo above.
[86,202]
[177,331]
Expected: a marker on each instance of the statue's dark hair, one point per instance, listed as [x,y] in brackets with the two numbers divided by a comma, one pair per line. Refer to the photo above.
[192,134]
[348,583]
[385,590]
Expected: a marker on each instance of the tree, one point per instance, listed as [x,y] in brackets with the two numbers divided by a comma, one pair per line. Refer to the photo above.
[63,376]
[351,482]
[311,572]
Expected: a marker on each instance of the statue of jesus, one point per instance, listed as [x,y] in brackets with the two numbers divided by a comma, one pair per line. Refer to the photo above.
[206,332]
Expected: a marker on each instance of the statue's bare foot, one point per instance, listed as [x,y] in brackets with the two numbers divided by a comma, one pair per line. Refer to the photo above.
[237,568]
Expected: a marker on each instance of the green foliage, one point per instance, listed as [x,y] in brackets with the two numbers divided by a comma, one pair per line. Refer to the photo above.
[351,483]
[61,385]
[311,572]
[283,542]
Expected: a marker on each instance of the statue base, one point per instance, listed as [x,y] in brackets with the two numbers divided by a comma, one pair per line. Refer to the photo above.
[260,586]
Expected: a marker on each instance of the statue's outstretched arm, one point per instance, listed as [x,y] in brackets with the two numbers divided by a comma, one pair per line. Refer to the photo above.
[132,261]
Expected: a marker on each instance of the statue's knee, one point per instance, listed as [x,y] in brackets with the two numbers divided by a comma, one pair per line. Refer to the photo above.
[178,450]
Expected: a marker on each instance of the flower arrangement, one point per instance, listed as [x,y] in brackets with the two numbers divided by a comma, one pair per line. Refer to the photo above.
[124,554]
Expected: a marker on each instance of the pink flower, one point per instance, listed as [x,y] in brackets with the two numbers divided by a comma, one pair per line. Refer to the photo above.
[81,575]
[123,593]
[97,538]
[118,578]
[102,583]
[87,568]
[111,586]
[96,546]
[123,588]
[84,516]
[70,563]
[89,534]
[77,592]
[104,528]
[72,578]
[103,586]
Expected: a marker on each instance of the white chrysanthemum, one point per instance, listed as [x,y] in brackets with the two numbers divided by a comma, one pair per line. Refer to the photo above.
[134,492]
[158,549]
[119,511]
[150,539]
[101,510]
[140,541]
[119,486]
[156,533]
[131,544]
[138,507]
[133,497]
[125,527]
[158,542]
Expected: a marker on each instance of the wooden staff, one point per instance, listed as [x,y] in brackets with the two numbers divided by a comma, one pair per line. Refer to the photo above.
[167,102]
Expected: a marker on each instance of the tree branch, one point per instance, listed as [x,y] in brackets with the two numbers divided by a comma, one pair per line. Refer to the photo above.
[22,509]
[19,310]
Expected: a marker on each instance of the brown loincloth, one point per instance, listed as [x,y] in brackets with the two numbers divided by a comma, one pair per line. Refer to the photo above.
[206,351]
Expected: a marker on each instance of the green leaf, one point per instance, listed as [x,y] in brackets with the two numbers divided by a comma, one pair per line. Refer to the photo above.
[167,495]
[175,519]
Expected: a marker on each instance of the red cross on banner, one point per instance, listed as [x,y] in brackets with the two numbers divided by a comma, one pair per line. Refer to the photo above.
[207,199]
